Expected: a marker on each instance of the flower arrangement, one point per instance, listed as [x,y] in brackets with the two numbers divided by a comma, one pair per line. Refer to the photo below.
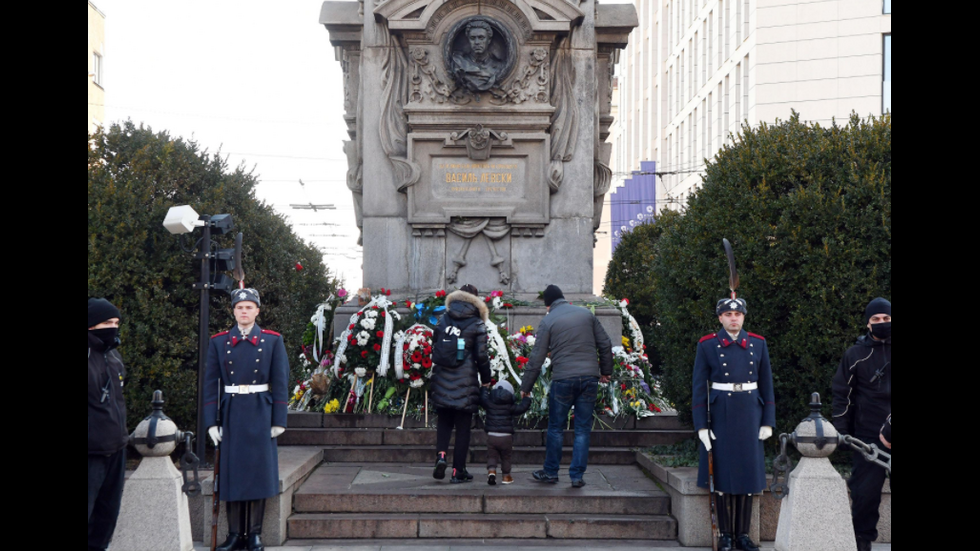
[359,366]
[416,356]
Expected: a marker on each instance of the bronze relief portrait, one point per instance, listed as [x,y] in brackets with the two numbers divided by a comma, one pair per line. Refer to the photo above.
[479,53]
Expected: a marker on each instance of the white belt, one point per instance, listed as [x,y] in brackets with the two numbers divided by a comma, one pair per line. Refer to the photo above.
[735,387]
[246,389]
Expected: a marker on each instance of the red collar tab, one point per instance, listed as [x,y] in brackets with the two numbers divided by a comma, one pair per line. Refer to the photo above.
[744,343]
[234,340]
[255,339]
[725,342]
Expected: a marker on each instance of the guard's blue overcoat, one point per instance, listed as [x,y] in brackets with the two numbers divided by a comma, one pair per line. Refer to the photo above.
[249,459]
[735,416]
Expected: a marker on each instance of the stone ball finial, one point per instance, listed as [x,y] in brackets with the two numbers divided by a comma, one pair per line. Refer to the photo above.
[156,435]
[815,436]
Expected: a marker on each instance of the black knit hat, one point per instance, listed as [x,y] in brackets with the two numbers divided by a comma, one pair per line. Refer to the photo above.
[99,310]
[877,306]
[551,294]
[469,289]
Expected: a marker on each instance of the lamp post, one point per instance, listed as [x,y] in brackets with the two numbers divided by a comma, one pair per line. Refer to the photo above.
[183,219]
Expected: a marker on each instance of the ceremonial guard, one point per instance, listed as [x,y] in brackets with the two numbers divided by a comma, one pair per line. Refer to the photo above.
[246,376]
[732,385]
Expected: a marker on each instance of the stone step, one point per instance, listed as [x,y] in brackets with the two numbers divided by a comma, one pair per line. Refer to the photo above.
[427,437]
[436,525]
[298,419]
[559,499]
[477,454]
[410,488]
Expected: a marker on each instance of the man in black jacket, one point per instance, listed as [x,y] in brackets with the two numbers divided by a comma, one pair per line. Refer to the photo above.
[107,436]
[862,390]
[572,335]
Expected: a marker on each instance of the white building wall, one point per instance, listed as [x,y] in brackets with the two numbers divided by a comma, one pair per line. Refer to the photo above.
[695,70]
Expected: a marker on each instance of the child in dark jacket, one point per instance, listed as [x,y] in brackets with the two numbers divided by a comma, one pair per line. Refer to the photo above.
[501,411]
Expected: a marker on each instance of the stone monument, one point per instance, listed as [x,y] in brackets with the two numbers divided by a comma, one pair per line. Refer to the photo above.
[816,515]
[154,515]
[478,120]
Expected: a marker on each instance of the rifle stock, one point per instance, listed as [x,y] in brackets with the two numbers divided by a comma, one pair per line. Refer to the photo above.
[215,504]
[712,497]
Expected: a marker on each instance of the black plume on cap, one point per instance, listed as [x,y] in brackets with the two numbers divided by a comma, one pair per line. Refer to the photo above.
[551,294]
[99,310]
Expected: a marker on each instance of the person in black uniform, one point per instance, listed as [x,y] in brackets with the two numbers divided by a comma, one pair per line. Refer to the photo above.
[107,436]
[734,365]
[248,368]
[862,390]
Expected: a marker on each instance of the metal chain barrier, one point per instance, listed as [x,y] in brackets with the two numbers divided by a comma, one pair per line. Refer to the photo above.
[781,465]
[872,452]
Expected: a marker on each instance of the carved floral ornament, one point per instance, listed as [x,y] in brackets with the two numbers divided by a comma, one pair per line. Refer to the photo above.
[531,82]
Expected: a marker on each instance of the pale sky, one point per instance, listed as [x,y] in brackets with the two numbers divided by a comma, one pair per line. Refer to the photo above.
[257,80]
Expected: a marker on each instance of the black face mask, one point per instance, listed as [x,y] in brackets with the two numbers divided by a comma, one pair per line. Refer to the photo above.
[881,330]
[107,335]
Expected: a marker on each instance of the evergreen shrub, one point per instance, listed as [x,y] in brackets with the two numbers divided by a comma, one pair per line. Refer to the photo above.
[807,209]
[134,177]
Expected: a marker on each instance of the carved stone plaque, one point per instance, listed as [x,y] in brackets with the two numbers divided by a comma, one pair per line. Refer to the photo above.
[500,178]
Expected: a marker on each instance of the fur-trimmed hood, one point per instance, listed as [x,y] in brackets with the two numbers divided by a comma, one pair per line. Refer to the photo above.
[463,296]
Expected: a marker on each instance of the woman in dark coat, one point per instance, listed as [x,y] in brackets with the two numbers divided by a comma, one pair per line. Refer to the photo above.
[455,391]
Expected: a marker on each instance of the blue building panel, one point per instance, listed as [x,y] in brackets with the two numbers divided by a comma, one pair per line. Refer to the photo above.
[635,202]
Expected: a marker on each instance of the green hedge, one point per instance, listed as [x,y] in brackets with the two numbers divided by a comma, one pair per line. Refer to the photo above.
[134,177]
[808,211]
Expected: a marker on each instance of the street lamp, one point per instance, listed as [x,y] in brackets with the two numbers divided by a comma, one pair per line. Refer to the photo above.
[183,219]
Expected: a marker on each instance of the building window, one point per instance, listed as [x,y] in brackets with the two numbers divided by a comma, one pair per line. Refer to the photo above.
[886,6]
[97,68]
[886,75]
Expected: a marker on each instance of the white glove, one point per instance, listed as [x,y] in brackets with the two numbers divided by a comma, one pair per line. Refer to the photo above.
[703,435]
[764,432]
[276,431]
[215,434]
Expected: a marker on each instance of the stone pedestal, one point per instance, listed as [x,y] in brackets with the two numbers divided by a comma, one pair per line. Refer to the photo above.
[815,515]
[154,515]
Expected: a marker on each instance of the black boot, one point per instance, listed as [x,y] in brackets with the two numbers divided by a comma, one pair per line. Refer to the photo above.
[743,519]
[236,526]
[724,512]
[256,509]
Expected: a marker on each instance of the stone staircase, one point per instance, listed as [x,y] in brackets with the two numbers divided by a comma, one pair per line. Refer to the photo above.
[375,482]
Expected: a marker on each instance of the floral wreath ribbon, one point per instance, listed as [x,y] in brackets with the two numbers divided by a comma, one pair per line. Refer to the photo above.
[498,343]
[319,321]
[382,303]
